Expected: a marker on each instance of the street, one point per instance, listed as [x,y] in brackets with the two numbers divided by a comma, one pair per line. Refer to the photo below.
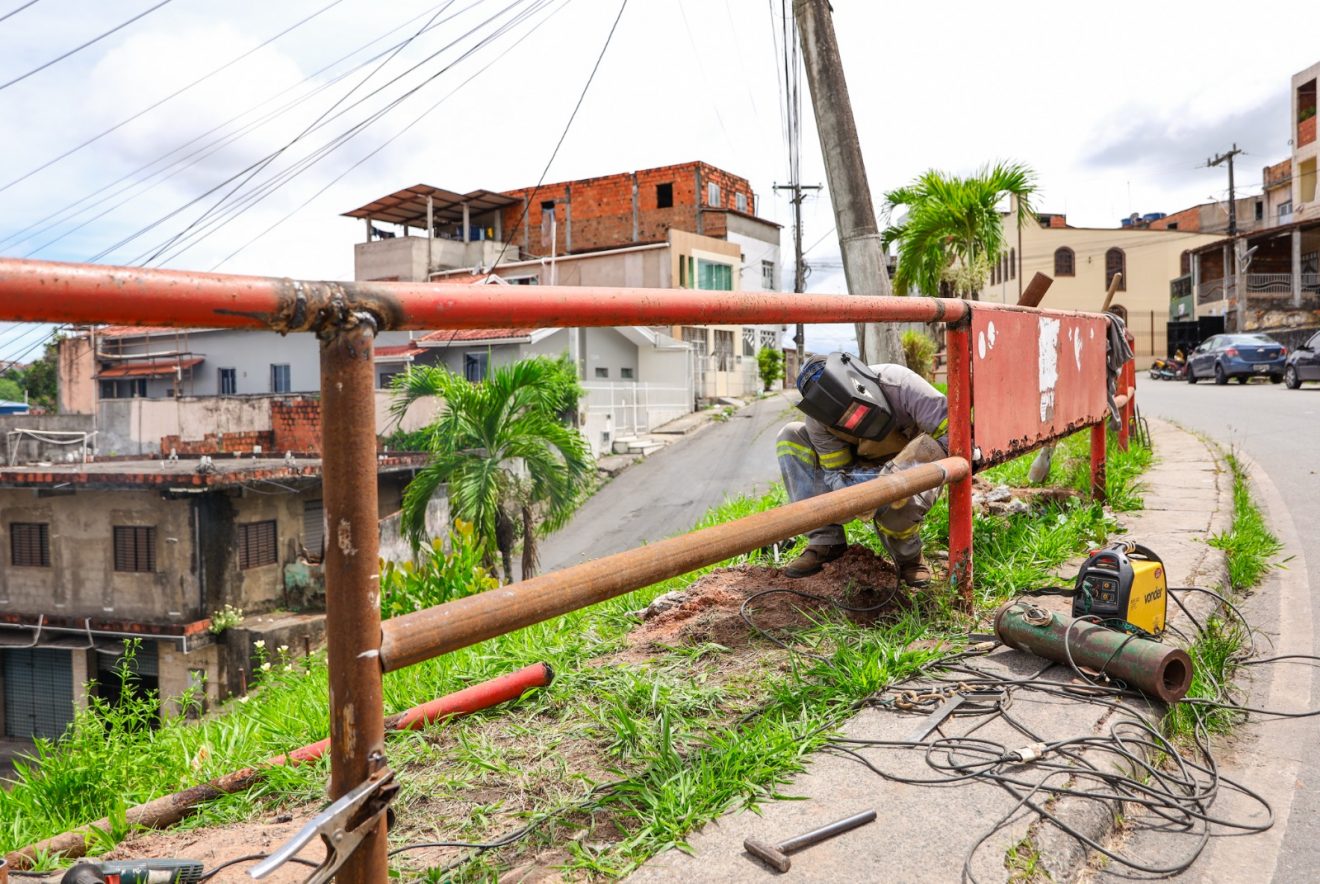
[669,491]
[1278,428]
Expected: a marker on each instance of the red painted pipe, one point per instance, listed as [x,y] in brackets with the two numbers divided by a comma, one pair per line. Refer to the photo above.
[49,291]
[464,702]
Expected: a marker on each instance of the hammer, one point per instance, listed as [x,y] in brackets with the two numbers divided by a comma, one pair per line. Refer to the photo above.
[776,856]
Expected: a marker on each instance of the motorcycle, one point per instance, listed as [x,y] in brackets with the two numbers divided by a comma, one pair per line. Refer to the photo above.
[1172,369]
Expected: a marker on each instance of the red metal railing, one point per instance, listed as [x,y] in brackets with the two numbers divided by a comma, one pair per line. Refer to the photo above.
[346,317]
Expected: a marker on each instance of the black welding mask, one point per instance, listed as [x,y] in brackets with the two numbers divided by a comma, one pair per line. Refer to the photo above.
[844,394]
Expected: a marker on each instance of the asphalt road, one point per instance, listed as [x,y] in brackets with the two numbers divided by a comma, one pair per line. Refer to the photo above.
[1279,429]
[670,490]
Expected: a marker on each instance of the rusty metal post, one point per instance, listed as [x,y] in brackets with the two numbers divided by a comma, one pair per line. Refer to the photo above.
[1098,462]
[352,574]
[958,345]
[1127,385]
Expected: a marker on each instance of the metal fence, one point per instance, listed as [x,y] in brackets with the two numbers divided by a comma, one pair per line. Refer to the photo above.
[1034,376]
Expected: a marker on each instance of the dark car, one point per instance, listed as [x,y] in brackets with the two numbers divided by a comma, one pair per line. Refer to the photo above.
[1238,356]
[1303,364]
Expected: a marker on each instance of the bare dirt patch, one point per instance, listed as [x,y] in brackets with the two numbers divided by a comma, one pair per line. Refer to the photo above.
[709,610]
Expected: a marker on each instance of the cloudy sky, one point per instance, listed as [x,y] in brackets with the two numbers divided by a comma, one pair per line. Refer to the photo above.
[249,170]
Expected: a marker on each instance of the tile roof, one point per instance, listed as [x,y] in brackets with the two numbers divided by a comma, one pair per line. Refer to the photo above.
[150,369]
[470,335]
[398,351]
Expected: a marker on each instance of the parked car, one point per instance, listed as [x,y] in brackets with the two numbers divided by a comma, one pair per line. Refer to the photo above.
[1303,364]
[1238,356]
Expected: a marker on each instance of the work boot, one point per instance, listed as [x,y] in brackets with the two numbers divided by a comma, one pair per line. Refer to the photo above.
[813,558]
[915,574]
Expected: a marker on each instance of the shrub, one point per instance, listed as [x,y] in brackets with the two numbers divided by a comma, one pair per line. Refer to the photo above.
[919,353]
[770,365]
[438,578]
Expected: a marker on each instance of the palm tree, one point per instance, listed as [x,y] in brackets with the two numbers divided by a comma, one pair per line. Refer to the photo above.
[510,463]
[953,231]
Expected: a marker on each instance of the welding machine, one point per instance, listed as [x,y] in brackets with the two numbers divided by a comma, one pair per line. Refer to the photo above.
[1124,583]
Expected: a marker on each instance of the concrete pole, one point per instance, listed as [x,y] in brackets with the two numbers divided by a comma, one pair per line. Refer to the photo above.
[467,222]
[854,214]
[430,234]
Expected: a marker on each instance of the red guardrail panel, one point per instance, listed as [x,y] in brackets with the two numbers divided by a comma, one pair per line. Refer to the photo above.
[1036,375]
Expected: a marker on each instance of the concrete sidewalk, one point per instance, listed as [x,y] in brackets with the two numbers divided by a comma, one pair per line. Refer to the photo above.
[924,833]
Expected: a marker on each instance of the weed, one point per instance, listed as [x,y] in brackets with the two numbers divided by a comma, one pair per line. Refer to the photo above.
[1249,544]
[1023,863]
[226,618]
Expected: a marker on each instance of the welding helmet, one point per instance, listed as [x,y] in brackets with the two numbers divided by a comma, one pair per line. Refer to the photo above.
[844,394]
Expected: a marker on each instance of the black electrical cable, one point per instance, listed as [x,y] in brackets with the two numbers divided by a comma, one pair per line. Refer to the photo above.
[80,48]
[11,13]
[250,858]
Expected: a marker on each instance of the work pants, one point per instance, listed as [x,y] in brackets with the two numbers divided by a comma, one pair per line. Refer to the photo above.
[899,524]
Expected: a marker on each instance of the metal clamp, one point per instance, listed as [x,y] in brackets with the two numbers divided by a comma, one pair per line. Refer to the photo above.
[342,826]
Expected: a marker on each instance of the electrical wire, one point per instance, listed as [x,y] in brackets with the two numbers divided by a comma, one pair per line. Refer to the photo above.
[13,12]
[250,858]
[81,47]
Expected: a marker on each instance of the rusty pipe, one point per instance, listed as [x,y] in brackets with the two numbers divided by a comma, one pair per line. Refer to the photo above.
[424,634]
[352,577]
[1157,670]
[50,291]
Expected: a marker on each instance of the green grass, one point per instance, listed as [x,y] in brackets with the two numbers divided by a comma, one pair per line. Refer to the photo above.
[684,735]
[1250,549]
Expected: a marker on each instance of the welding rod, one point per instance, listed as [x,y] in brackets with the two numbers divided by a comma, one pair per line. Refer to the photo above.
[776,856]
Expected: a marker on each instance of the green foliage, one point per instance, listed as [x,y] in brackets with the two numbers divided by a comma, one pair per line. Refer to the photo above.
[438,578]
[38,379]
[10,390]
[501,449]
[919,353]
[770,366]
[1250,545]
[953,231]
[1215,659]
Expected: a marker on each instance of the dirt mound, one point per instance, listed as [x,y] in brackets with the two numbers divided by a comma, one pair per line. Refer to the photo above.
[708,611]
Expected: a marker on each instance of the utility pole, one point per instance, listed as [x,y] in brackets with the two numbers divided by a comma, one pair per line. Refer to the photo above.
[1232,194]
[800,267]
[854,214]
[1239,292]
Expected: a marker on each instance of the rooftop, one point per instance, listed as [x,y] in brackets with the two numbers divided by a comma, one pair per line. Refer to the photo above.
[408,206]
[186,474]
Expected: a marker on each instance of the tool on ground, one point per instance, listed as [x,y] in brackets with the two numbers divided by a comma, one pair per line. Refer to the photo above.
[935,719]
[342,826]
[1155,669]
[135,871]
[1124,582]
[776,856]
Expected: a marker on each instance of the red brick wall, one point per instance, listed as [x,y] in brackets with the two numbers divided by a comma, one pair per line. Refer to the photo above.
[220,443]
[297,425]
[600,210]
[1306,131]
[1187,219]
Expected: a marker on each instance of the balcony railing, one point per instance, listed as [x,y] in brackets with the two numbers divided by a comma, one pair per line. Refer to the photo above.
[1213,290]
[1180,287]
[1270,288]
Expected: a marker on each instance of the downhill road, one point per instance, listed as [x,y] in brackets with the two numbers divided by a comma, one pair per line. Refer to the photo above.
[668,492]
[1280,430]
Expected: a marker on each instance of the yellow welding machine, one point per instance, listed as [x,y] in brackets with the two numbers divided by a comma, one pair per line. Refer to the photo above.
[1124,583]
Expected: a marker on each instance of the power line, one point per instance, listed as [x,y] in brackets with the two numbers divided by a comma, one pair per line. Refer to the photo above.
[124,122]
[77,49]
[200,153]
[14,12]
[389,140]
[269,186]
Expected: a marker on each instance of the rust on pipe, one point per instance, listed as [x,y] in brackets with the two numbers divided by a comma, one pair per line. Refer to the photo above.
[352,577]
[1156,669]
[169,809]
[421,635]
[958,344]
[48,291]
[1035,291]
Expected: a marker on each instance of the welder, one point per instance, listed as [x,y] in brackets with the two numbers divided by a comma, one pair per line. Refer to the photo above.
[862,421]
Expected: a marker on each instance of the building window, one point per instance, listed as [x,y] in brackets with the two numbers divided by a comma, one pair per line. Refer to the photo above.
[256,544]
[768,340]
[228,381]
[697,336]
[1185,263]
[1285,208]
[749,342]
[1065,262]
[714,276]
[135,548]
[740,200]
[626,373]
[1260,210]
[1012,263]
[280,379]
[723,350]
[768,276]
[29,544]
[1116,262]
[602,372]
[547,205]
[712,194]
[475,366]
[664,195]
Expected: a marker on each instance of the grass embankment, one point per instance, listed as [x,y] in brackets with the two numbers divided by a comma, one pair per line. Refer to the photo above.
[1250,548]
[682,735]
